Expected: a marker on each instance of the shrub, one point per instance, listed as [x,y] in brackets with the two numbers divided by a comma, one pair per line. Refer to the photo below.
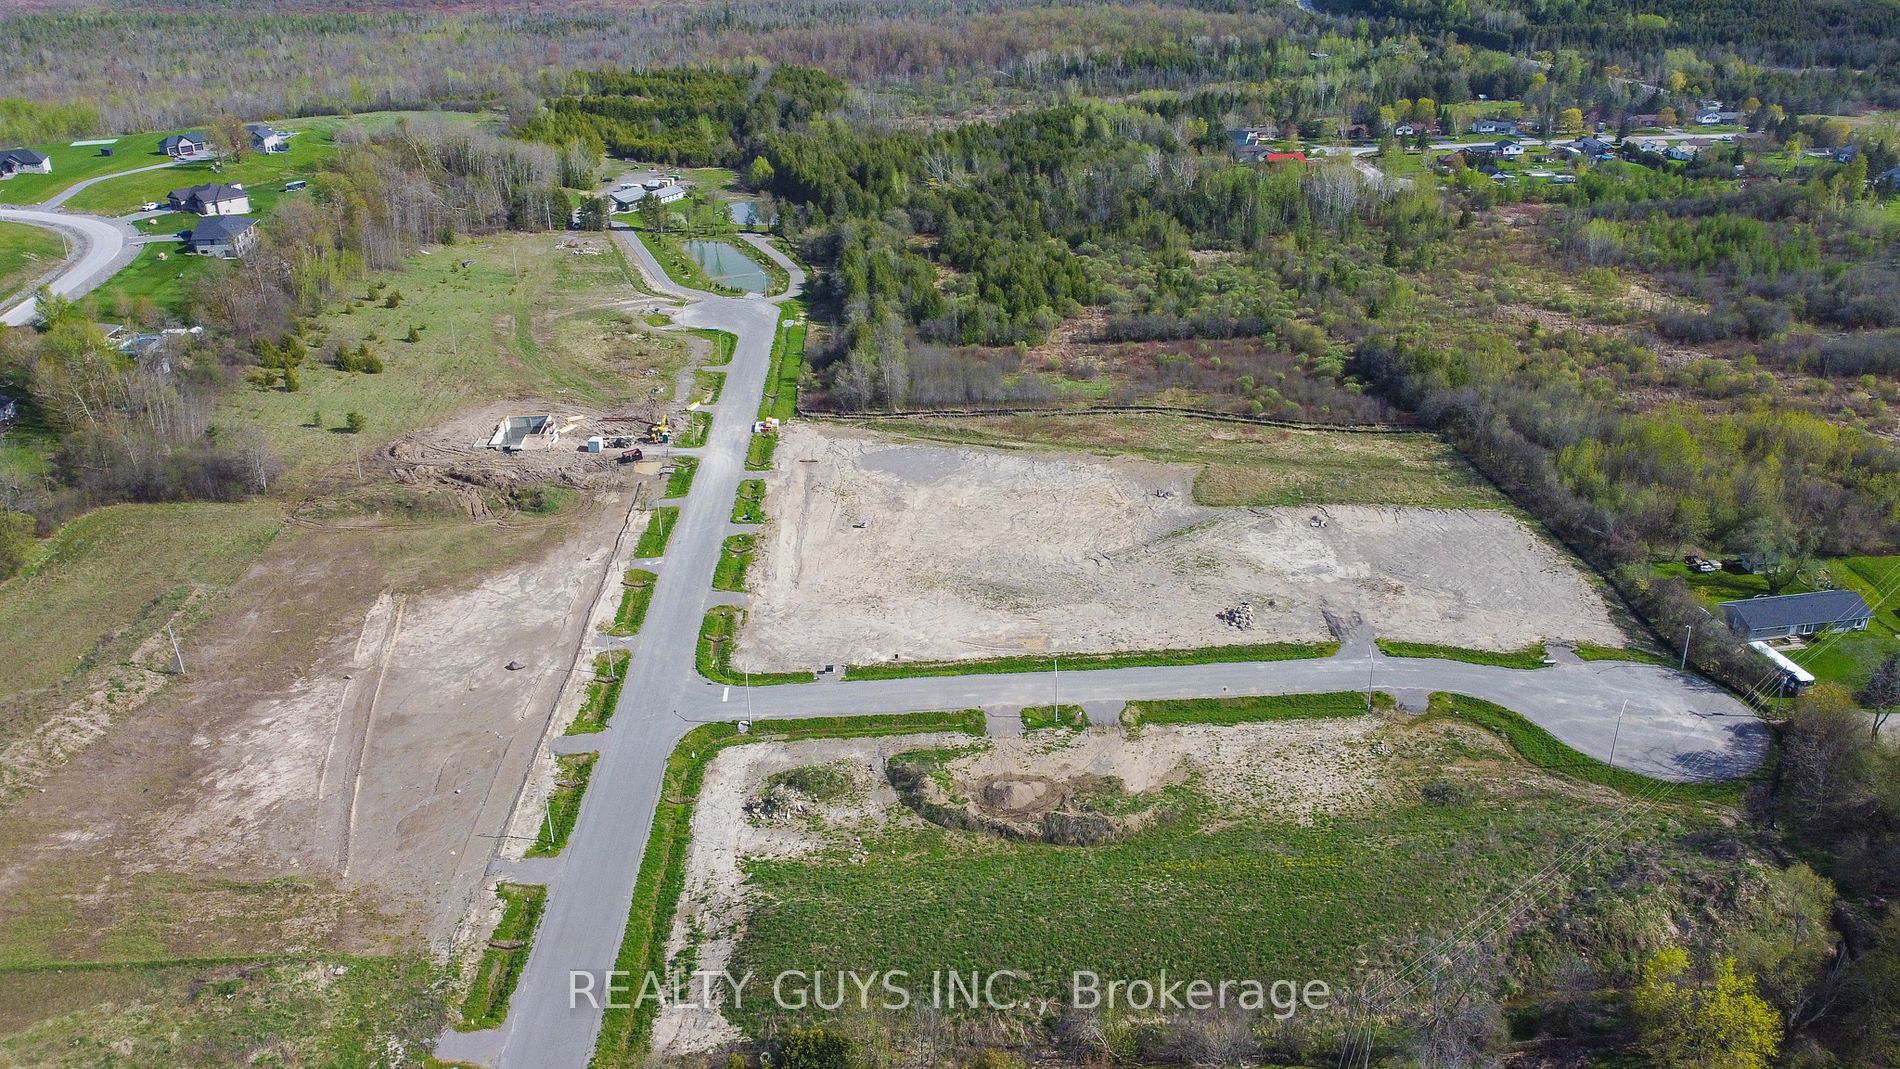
[816,1048]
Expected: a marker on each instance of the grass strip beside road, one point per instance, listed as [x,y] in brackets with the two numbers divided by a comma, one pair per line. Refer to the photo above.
[658,533]
[680,480]
[749,506]
[788,364]
[1547,752]
[735,559]
[487,1003]
[713,656]
[1042,717]
[603,693]
[1082,662]
[698,425]
[633,604]
[758,454]
[1532,656]
[724,344]
[1346,703]
[709,385]
[1590,651]
[571,773]
[625,1028]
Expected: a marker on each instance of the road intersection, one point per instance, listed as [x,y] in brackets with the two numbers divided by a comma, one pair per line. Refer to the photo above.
[1648,718]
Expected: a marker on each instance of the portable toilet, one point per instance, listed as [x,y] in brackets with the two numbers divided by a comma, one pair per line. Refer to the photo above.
[596,444]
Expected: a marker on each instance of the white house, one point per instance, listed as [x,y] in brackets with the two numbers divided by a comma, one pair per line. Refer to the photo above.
[25,161]
[266,139]
[1507,149]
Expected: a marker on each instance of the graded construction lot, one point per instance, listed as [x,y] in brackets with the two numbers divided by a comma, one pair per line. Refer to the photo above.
[879,548]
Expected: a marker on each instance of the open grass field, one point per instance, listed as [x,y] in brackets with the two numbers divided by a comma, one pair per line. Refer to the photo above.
[120,571]
[26,253]
[522,320]
[330,1010]
[1218,891]
[1241,464]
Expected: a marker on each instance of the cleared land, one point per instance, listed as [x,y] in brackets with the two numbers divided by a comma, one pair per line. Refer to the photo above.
[1273,848]
[1058,553]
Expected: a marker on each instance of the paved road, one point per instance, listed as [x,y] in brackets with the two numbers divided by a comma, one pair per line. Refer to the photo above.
[103,246]
[1649,718]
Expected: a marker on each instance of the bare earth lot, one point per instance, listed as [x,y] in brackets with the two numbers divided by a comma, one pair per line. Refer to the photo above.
[879,548]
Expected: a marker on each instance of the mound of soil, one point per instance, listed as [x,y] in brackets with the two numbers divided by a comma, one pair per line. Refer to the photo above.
[1084,810]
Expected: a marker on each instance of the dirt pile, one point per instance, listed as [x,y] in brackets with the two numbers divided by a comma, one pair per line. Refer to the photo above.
[1083,810]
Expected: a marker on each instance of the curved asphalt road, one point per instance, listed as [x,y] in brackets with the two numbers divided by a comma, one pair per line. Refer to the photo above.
[1649,718]
[105,245]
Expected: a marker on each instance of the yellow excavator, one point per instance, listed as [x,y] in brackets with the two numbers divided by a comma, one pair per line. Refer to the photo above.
[659,431]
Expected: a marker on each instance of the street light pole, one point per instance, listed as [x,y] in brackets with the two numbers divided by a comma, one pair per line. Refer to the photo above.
[1688,630]
[1618,733]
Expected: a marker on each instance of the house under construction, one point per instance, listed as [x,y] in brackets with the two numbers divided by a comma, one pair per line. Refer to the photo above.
[516,433]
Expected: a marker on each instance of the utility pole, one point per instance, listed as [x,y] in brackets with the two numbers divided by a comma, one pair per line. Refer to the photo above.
[178,657]
[1057,709]
[1618,733]
[1688,630]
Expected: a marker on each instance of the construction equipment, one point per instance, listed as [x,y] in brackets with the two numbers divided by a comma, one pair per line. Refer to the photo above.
[632,456]
[660,431]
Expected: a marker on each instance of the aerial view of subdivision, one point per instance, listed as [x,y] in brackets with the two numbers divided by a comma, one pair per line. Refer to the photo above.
[979,534]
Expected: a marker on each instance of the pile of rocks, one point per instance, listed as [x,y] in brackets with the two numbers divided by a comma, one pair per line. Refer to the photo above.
[1240,617]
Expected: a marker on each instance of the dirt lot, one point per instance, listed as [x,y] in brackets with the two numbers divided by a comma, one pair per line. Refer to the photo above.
[1294,771]
[878,548]
[333,768]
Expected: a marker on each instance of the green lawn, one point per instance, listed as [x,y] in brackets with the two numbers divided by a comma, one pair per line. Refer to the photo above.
[263,176]
[72,165]
[26,253]
[679,481]
[749,505]
[1045,717]
[160,273]
[1847,658]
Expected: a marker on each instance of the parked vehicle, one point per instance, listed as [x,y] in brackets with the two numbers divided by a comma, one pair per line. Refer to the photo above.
[632,456]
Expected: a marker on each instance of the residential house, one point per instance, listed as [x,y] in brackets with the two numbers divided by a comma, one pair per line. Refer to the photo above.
[1846,155]
[666,190]
[1688,150]
[1718,118]
[1251,142]
[1888,179]
[1645,121]
[179,146]
[626,200]
[267,140]
[1413,129]
[1507,149]
[1655,146]
[24,161]
[1595,148]
[1507,127]
[1797,615]
[214,198]
[229,236]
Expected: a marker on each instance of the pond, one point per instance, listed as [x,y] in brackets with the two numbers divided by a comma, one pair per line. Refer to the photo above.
[748,213]
[725,264]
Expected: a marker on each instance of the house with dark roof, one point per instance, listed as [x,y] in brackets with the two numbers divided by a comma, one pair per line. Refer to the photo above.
[1797,615]
[267,140]
[179,146]
[1508,127]
[229,236]
[213,198]
[25,161]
